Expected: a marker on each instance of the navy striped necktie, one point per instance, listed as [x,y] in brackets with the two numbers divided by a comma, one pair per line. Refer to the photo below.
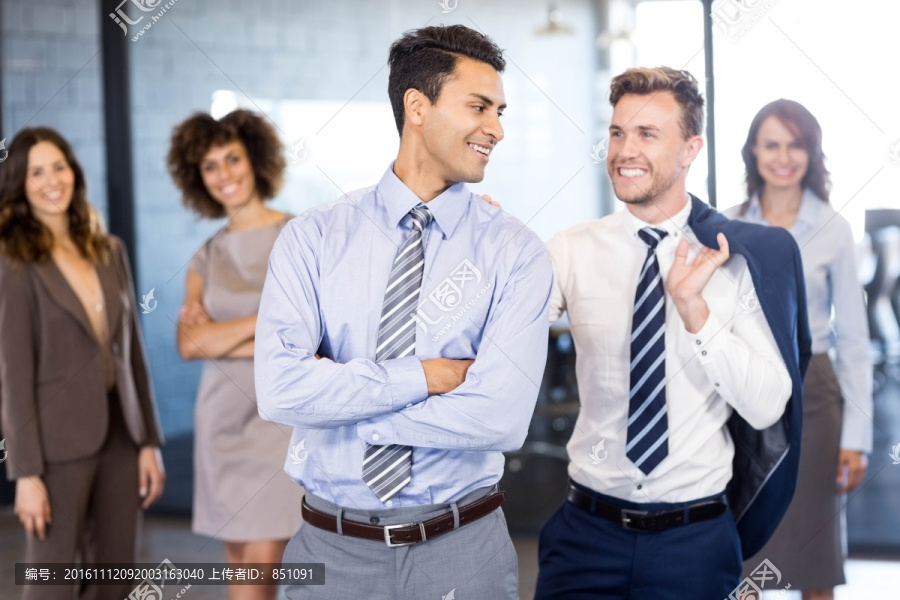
[387,469]
[648,424]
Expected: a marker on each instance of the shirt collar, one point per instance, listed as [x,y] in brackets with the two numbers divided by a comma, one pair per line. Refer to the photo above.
[447,209]
[807,215]
[754,210]
[675,225]
[809,208]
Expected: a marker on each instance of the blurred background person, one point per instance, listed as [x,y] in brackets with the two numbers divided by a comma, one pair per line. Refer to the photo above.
[230,168]
[788,186]
[78,413]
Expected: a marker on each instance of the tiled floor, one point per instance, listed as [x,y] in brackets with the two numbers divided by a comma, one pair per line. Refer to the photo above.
[872,515]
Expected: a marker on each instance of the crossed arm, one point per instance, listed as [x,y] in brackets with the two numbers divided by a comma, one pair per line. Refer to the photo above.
[434,403]
[199,337]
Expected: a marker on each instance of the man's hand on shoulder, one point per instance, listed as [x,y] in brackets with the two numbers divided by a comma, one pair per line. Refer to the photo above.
[444,375]
[685,282]
[490,200]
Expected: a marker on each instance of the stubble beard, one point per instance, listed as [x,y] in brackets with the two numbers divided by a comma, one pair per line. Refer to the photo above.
[646,196]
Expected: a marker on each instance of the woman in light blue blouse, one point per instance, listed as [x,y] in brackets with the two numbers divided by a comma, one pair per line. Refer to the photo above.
[787,186]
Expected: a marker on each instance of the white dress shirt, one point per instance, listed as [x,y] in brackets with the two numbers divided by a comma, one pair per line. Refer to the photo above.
[837,311]
[732,363]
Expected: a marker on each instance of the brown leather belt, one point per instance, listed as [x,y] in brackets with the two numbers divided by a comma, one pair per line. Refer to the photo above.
[404,533]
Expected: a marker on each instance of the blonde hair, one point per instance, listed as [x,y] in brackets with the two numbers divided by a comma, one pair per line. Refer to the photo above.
[682,85]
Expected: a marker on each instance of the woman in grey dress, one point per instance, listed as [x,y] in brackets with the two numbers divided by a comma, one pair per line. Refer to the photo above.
[787,186]
[242,496]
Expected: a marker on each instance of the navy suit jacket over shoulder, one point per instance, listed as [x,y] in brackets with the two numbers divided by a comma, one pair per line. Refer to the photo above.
[765,461]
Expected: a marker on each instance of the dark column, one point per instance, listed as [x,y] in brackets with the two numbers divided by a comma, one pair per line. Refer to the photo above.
[117,122]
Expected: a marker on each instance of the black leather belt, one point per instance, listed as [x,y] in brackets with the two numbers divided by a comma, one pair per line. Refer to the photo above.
[405,533]
[647,520]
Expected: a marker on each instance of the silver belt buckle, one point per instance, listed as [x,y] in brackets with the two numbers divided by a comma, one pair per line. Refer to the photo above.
[627,514]
[392,544]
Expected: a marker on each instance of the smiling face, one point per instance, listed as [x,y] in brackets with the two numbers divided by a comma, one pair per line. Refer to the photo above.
[648,153]
[50,181]
[462,128]
[781,159]
[228,175]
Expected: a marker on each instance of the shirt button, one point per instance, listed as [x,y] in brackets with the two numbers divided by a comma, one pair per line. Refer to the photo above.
[703,352]
[717,384]
[373,520]
[115,348]
[376,437]
[409,405]
[699,342]
[389,503]
[640,486]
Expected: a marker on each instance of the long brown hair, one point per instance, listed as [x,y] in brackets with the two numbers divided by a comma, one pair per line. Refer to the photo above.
[24,238]
[805,127]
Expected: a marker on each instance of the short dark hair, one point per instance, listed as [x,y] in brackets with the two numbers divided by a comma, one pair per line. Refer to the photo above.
[194,137]
[682,85]
[805,127]
[423,59]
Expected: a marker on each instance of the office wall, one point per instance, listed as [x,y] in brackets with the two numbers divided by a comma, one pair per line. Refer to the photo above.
[52,77]
[317,70]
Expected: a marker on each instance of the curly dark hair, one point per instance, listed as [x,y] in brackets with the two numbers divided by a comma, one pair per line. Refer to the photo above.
[806,128]
[644,80]
[423,59]
[193,138]
[24,238]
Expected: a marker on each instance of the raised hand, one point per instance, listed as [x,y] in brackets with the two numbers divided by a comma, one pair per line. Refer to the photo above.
[685,282]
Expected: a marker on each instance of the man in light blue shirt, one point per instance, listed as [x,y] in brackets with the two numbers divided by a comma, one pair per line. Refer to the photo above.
[450,383]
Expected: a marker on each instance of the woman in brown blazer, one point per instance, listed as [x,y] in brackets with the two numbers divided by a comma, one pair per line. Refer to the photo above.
[76,405]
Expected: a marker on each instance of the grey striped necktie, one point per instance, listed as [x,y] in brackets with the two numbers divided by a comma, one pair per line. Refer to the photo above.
[387,469]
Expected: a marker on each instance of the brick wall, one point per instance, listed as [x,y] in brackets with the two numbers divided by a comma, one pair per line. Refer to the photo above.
[51,77]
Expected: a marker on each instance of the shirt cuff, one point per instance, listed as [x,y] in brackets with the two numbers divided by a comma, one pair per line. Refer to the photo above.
[856,432]
[706,342]
[407,380]
[705,346]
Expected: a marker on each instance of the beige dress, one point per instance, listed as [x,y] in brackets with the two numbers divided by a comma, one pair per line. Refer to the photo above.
[241,492]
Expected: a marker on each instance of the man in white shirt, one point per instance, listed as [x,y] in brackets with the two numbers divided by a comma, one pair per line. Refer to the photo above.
[669,343]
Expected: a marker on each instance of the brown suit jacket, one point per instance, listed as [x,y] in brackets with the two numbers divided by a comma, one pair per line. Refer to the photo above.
[53,400]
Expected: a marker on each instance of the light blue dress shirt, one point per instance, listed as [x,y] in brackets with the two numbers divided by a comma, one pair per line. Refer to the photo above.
[484,296]
[829,269]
